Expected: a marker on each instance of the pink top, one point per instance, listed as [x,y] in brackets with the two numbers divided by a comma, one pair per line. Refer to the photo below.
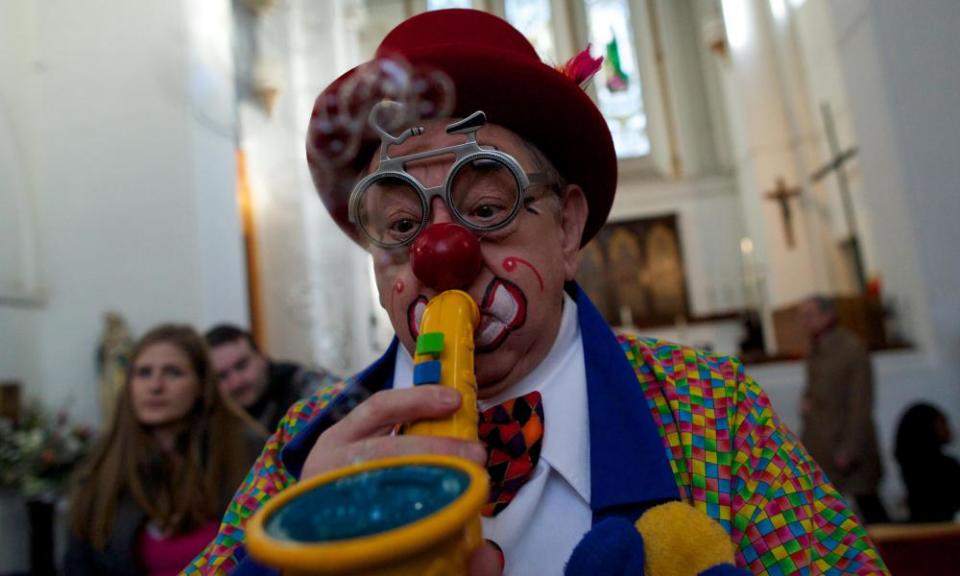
[167,556]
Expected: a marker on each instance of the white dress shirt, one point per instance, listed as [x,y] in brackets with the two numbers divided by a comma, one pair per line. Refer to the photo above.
[550,514]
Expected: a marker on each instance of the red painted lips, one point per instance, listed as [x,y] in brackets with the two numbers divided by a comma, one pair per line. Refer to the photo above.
[503,309]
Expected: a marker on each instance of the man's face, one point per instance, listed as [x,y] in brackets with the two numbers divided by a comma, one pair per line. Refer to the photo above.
[519,289]
[241,371]
[814,319]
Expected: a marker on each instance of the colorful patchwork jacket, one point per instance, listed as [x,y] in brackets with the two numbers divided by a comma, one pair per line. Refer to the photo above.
[666,423]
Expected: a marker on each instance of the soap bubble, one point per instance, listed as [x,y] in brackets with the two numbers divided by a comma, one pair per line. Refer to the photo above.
[391,116]
[432,94]
[340,127]
[381,79]
[332,135]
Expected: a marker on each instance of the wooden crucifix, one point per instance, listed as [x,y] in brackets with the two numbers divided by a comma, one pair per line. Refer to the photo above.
[838,159]
[782,195]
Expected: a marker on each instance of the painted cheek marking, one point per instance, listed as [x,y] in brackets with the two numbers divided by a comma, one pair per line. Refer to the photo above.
[510,264]
[398,288]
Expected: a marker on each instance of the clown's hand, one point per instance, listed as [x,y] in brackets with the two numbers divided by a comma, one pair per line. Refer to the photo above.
[366,433]
[672,539]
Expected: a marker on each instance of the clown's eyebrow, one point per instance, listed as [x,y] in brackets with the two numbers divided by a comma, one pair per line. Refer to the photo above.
[527,201]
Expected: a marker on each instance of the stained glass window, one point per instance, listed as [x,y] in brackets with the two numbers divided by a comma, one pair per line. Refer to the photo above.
[535,19]
[441,4]
[618,83]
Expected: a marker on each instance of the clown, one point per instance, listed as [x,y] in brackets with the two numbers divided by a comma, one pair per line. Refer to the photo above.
[497,201]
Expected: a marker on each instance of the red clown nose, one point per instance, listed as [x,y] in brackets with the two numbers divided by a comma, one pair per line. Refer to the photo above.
[446,256]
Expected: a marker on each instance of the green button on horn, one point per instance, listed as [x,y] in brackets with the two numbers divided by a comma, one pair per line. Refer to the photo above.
[430,343]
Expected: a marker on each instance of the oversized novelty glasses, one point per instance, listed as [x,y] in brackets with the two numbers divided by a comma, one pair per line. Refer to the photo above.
[484,189]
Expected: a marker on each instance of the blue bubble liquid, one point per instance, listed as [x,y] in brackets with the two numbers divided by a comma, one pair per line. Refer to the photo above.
[367,503]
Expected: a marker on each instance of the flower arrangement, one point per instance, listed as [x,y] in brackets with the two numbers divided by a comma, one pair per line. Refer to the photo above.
[39,452]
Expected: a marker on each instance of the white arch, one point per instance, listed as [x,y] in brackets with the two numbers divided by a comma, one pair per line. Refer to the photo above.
[19,278]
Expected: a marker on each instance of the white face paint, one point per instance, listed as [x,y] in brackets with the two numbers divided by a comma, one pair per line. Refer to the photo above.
[519,288]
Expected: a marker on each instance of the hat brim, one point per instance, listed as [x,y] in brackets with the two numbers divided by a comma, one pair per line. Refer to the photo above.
[531,99]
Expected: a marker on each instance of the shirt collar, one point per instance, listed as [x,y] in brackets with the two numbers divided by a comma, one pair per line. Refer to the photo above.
[636,474]
[562,384]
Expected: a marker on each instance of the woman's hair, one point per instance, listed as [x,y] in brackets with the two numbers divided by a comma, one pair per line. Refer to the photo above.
[918,434]
[177,491]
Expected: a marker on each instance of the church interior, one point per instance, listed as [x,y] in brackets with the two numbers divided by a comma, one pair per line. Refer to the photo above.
[152,170]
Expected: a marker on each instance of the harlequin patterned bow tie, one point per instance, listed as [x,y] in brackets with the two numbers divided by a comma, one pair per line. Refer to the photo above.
[513,434]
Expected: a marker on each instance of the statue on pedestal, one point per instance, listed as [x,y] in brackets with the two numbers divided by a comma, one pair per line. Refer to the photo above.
[113,359]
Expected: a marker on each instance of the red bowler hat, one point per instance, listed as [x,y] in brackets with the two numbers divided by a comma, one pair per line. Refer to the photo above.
[495,69]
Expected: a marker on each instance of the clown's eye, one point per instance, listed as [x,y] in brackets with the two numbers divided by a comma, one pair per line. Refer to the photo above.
[401,229]
[390,210]
[485,193]
[402,226]
[486,212]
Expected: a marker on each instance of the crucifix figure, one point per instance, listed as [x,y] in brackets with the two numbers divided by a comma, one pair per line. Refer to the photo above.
[782,195]
[836,163]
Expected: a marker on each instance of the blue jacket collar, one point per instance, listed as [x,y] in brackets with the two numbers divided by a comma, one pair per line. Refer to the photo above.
[634,474]
[629,470]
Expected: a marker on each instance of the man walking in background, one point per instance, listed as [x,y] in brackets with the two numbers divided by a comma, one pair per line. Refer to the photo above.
[837,409]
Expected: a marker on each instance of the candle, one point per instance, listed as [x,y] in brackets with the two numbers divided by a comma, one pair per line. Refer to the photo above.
[749,272]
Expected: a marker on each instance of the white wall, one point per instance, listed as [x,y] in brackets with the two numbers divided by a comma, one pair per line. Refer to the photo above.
[891,72]
[17,214]
[212,120]
[124,122]
[903,77]
[920,79]
[127,134]
[899,69]
[756,78]
[692,87]
[317,296]
[808,30]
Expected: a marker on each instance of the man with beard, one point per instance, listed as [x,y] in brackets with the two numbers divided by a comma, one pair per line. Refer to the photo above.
[264,388]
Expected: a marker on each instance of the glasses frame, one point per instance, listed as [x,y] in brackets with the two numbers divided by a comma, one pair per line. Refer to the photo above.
[463,153]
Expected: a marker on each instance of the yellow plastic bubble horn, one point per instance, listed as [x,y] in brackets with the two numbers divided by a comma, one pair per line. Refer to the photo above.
[444,355]
[410,515]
